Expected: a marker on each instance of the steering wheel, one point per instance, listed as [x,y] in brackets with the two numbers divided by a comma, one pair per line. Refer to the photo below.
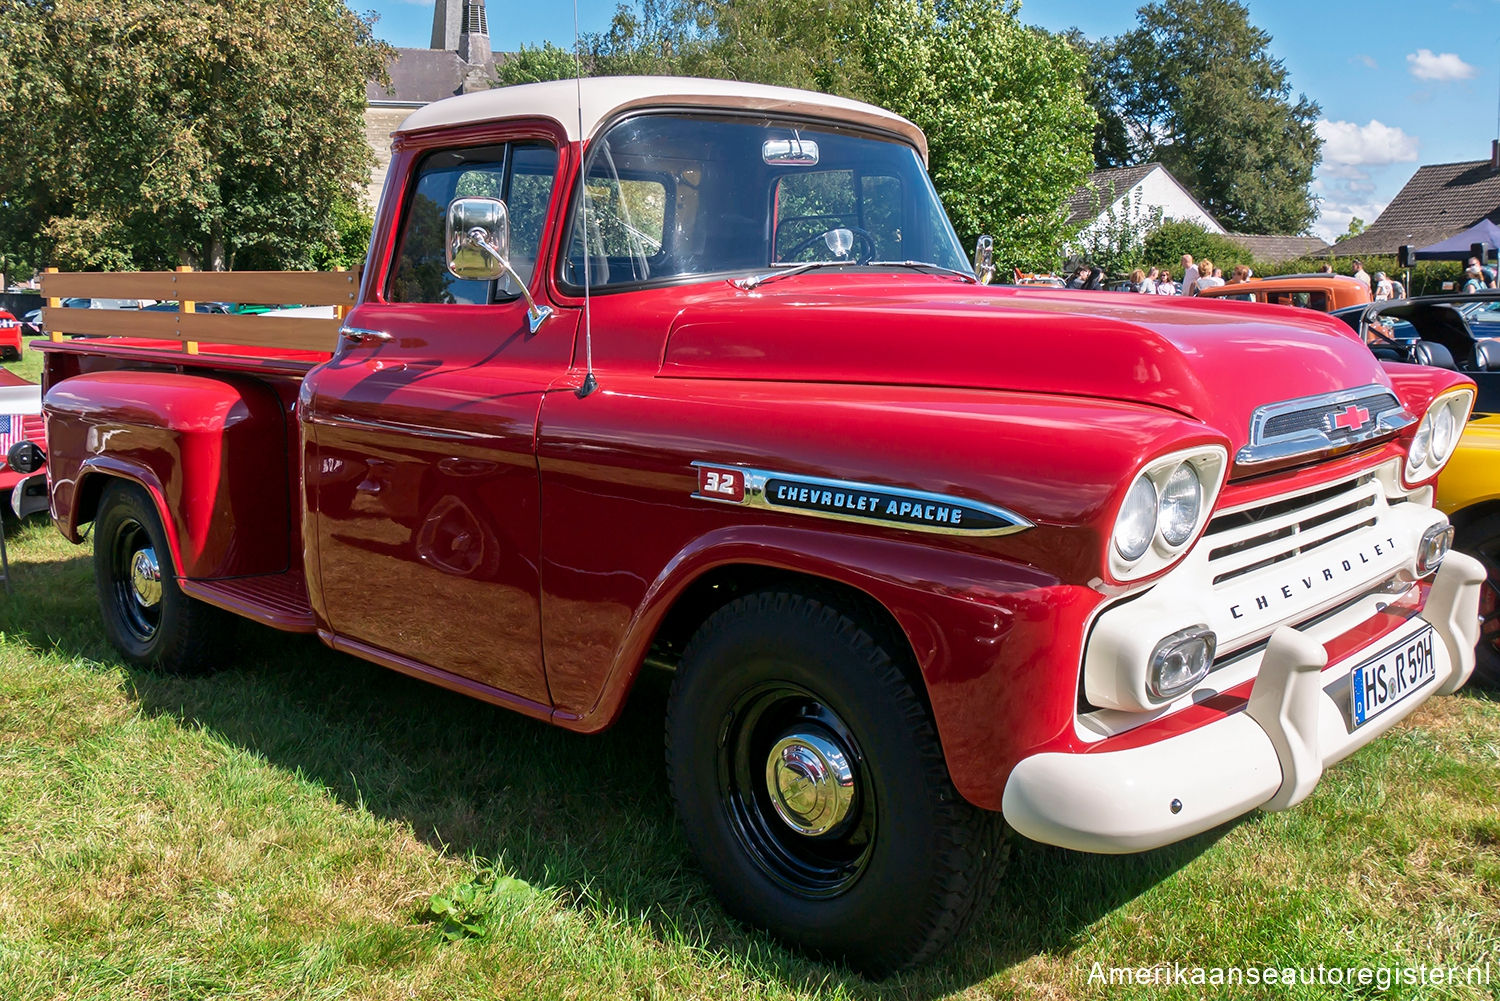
[863,240]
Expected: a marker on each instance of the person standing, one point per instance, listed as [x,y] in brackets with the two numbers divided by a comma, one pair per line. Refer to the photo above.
[1148,287]
[1384,290]
[1360,272]
[1189,275]
[1164,285]
[1206,278]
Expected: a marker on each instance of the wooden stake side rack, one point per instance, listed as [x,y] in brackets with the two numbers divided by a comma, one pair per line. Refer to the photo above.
[191,330]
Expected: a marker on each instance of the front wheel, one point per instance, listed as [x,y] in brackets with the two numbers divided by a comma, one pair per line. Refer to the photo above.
[811,786]
[146,615]
[1481,539]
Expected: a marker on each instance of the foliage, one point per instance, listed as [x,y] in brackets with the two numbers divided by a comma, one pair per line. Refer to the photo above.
[1356,227]
[535,64]
[477,907]
[1116,241]
[1171,240]
[350,245]
[148,133]
[1001,106]
[1198,90]
[1001,103]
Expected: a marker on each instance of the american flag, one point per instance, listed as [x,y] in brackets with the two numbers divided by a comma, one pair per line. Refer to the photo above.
[18,427]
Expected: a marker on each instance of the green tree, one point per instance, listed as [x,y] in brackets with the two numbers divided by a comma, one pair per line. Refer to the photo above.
[1201,93]
[1169,241]
[1002,107]
[1356,227]
[147,133]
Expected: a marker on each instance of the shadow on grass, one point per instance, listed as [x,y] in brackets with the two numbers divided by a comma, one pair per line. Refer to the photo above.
[588,815]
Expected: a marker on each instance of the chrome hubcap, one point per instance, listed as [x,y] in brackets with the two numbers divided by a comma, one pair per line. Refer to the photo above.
[145,578]
[810,782]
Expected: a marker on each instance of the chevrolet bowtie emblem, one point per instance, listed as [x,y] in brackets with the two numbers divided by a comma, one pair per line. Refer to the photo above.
[1351,418]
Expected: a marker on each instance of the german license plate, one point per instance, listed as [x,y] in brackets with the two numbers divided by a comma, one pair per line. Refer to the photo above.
[1392,675]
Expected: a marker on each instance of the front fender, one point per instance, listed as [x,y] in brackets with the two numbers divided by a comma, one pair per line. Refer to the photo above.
[209,450]
[997,643]
[1472,476]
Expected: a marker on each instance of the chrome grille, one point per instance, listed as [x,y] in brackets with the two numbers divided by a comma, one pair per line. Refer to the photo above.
[1319,418]
[1243,542]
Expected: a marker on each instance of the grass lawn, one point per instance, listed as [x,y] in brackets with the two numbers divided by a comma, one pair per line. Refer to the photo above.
[280,829]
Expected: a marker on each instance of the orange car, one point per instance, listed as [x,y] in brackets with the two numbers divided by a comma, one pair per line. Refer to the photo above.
[1323,292]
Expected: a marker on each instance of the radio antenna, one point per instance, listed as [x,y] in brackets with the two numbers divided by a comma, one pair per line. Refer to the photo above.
[589,382]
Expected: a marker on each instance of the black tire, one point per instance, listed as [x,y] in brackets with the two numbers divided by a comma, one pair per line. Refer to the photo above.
[910,862]
[1481,539]
[150,621]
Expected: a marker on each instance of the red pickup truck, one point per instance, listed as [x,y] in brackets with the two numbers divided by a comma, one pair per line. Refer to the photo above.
[728,400]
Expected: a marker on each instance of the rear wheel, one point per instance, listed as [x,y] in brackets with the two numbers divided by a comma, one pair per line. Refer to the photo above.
[812,788]
[146,615]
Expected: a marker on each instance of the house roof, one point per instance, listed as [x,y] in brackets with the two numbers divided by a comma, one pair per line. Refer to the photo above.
[421,76]
[1279,248]
[1102,187]
[581,106]
[1441,199]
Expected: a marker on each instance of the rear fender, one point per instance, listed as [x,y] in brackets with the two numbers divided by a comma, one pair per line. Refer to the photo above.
[211,452]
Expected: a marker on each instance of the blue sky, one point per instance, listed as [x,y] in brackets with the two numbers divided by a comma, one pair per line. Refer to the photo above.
[1400,84]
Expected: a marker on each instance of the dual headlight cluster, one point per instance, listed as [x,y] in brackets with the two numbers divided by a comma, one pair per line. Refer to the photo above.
[1165,508]
[1438,434]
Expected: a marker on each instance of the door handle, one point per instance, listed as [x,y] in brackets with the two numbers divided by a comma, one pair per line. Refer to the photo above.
[359,335]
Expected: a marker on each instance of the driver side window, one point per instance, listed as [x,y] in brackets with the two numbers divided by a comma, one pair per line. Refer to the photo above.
[520,173]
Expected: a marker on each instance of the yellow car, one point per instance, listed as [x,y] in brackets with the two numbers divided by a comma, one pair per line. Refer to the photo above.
[1469,493]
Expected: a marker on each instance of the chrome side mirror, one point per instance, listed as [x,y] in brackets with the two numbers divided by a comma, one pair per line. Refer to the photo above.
[478,245]
[984,259]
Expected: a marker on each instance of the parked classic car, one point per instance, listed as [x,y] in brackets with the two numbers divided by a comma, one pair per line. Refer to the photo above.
[694,375]
[10,336]
[21,421]
[1322,292]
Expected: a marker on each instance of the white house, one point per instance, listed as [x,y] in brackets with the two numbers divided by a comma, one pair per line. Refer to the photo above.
[1138,190]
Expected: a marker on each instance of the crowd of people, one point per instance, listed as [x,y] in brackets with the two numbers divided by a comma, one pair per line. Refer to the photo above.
[1196,276]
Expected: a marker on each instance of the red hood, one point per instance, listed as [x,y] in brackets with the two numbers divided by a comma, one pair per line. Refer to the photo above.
[1213,360]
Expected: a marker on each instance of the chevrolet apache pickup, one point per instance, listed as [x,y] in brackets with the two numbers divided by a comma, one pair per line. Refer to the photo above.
[692,375]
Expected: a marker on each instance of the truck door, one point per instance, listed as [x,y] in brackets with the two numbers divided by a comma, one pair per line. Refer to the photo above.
[420,460]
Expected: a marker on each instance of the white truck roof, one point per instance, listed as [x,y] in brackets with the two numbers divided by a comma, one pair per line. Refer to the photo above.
[594,100]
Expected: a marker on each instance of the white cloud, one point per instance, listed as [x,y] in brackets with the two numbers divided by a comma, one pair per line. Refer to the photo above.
[1367,61]
[1334,216]
[1443,66]
[1346,144]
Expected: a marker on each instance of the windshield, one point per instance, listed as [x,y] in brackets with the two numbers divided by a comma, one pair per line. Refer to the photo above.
[678,196]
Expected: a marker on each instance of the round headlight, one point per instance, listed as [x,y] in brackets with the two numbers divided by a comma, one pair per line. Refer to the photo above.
[1181,501]
[1444,433]
[1137,521]
[1421,444]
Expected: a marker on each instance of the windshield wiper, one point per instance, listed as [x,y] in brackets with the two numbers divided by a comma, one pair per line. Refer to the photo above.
[756,281]
[924,264]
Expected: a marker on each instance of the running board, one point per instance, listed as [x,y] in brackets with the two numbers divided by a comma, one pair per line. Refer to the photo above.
[276,600]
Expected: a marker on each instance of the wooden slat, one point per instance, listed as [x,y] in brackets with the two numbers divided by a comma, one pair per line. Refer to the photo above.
[299,333]
[307,288]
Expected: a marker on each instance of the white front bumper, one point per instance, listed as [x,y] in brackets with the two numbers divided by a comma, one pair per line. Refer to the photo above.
[1271,755]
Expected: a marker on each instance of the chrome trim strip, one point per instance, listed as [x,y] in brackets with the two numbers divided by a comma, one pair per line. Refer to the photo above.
[417,430]
[757,494]
[1311,440]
